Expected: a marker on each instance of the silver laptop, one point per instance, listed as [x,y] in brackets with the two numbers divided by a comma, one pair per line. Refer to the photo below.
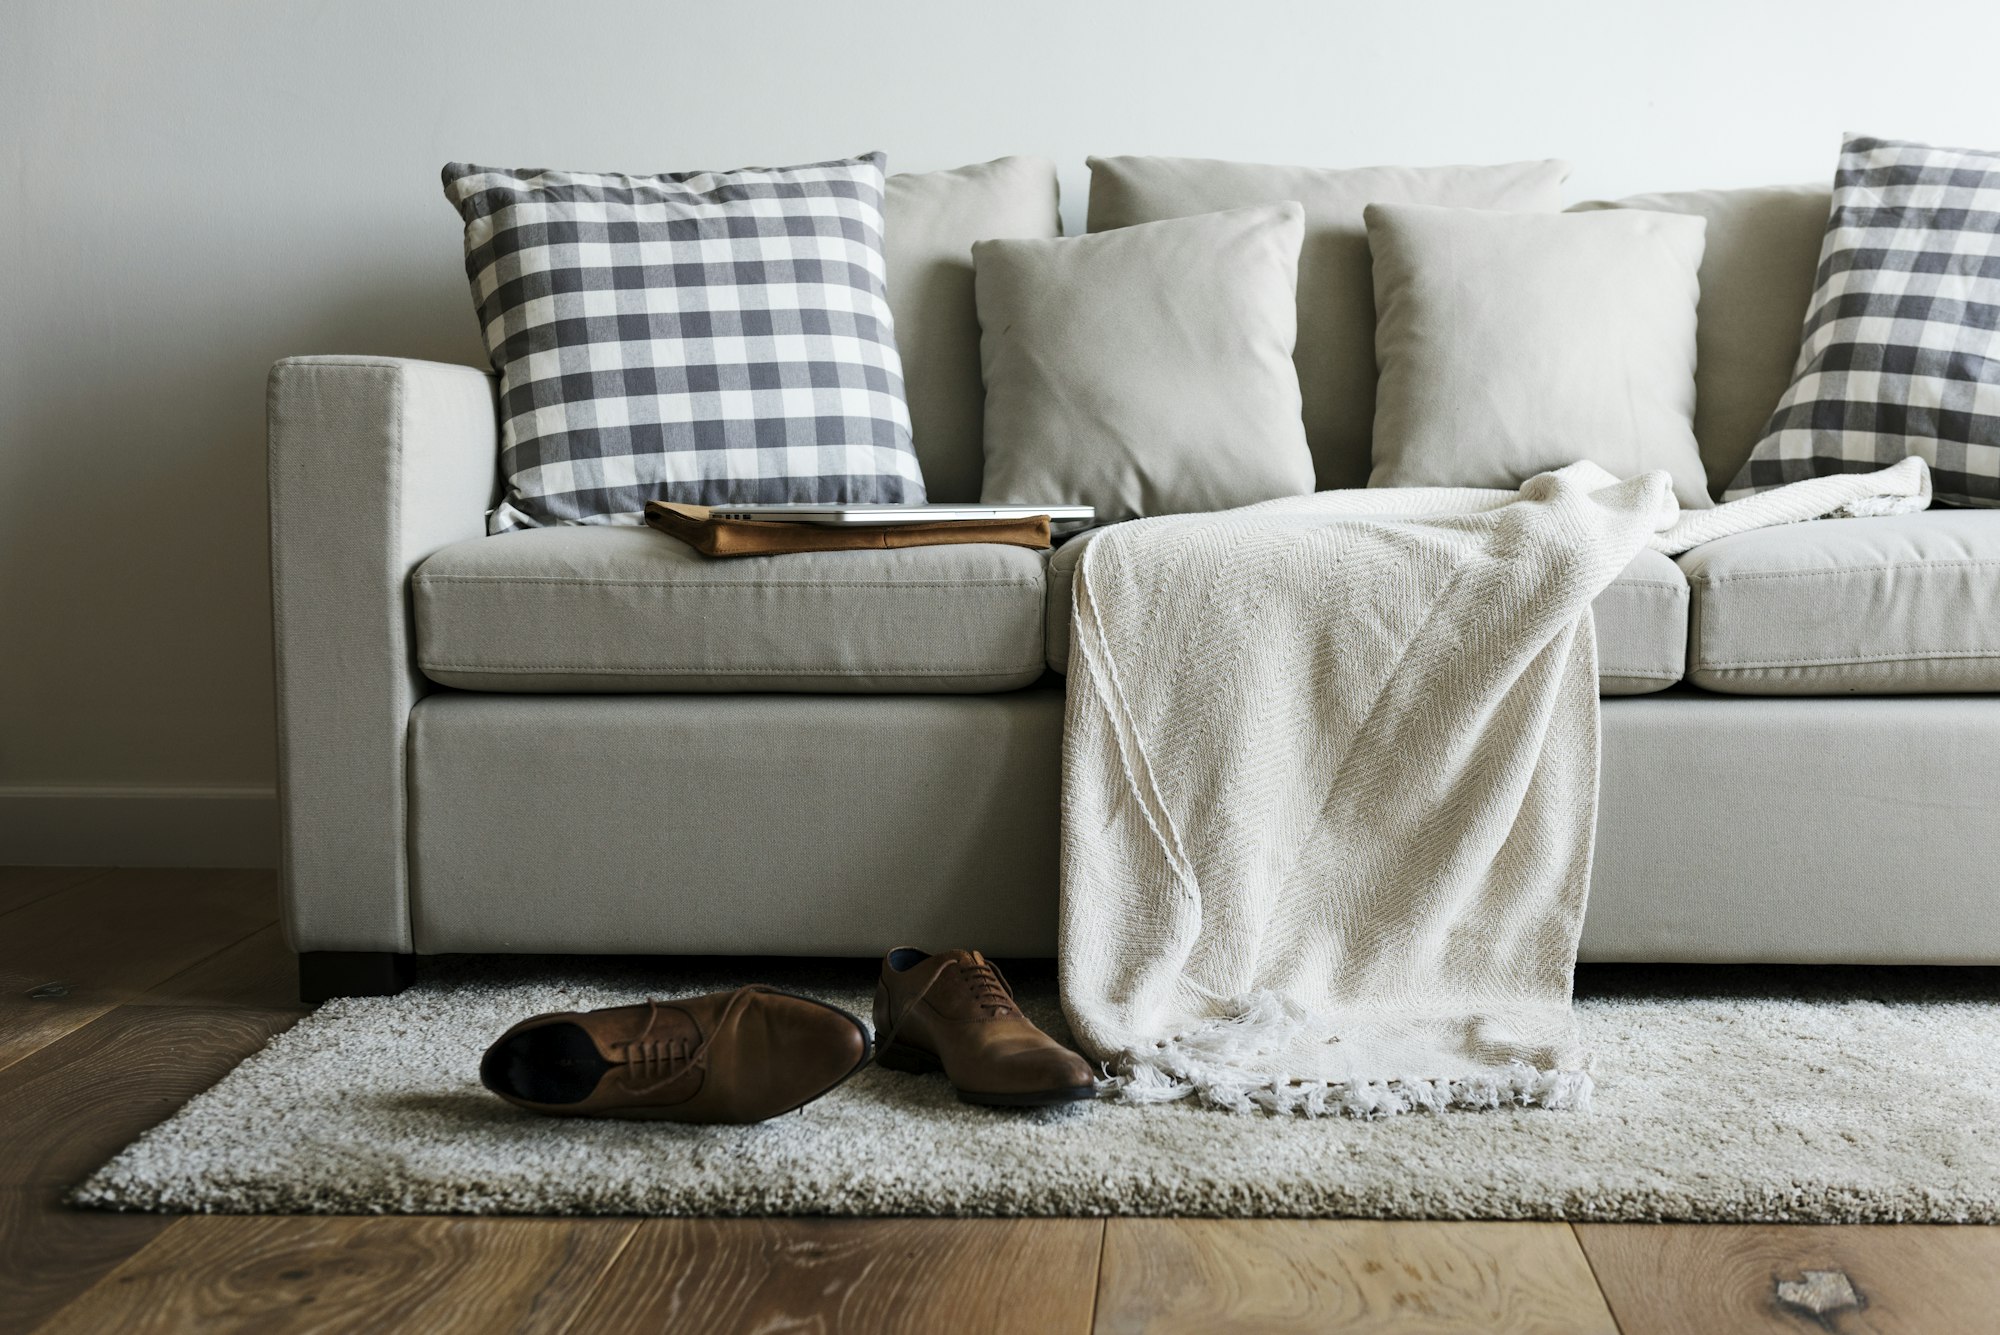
[902,514]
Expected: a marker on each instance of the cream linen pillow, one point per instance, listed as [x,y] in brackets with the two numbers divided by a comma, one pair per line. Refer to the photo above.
[1336,349]
[1145,371]
[1511,343]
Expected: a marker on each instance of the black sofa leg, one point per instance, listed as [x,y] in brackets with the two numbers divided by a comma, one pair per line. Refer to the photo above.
[326,974]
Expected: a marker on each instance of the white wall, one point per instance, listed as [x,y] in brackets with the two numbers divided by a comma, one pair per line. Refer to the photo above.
[196,188]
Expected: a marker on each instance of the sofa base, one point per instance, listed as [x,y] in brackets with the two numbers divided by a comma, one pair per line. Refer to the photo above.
[326,974]
[1731,829]
[734,824]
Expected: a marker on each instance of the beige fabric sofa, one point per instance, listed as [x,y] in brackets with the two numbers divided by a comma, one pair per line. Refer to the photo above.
[592,740]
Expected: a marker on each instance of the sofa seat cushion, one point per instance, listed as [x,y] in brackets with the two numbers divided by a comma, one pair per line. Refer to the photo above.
[595,608]
[1642,621]
[1900,606]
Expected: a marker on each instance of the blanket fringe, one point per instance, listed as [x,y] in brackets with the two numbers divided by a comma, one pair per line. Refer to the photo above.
[1518,1086]
[1218,1064]
[1873,507]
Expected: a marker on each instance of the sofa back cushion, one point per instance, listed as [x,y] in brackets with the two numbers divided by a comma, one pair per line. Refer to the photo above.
[1336,342]
[932,220]
[1756,278]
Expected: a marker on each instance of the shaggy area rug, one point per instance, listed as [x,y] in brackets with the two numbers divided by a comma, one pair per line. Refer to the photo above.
[1823,1095]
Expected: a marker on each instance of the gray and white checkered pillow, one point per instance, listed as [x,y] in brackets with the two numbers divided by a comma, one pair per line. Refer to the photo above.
[705,337]
[1901,352]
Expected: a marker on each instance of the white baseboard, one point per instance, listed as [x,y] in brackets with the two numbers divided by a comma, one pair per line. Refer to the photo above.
[89,826]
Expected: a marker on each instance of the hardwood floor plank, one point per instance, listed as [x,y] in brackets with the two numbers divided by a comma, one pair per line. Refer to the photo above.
[1670,1279]
[49,1253]
[280,1274]
[74,1103]
[68,958]
[872,1275]
[25,885]
[70,1106]
[1349,1274]
[259,972]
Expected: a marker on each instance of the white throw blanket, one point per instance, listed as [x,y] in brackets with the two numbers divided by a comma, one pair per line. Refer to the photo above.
[1330,785]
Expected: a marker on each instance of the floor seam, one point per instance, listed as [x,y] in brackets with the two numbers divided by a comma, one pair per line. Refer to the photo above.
[610,1264]
[192,965]
[1595,1278]
[63,888]
[1097,1289]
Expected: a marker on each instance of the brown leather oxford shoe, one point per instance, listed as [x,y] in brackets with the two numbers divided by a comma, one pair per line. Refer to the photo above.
[954,1012]
[735,1057]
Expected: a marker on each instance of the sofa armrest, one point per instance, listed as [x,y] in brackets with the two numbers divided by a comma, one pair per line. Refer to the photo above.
[375,463]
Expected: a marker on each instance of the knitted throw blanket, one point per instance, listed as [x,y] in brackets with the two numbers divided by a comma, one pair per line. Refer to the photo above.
[1330,785]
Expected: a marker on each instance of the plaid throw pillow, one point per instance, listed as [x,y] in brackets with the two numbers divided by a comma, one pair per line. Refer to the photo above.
[1902,339]
[703,337]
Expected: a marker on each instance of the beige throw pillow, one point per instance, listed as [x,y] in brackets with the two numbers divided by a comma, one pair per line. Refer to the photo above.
[1336,349]
[1513,343]
[1146,371]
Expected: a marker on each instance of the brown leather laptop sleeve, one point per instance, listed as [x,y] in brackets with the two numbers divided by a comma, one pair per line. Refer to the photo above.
[697,526]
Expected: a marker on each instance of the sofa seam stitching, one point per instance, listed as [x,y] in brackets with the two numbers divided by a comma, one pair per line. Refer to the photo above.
[656,671]
[1709,579]
[1920,656]
[731,584]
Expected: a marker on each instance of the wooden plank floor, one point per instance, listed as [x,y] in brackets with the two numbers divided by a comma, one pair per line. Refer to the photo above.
[127,992]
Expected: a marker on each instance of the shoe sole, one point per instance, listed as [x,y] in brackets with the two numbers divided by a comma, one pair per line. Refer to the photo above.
[916,1061]
[1041,1098]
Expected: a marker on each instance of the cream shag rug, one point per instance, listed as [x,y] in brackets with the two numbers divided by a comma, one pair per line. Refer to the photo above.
[1815,1095]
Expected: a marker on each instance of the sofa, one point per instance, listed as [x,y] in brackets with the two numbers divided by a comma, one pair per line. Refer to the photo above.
[592,740]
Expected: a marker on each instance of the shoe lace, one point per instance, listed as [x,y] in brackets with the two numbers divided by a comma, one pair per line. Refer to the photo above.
[652,1064]
[989,990]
